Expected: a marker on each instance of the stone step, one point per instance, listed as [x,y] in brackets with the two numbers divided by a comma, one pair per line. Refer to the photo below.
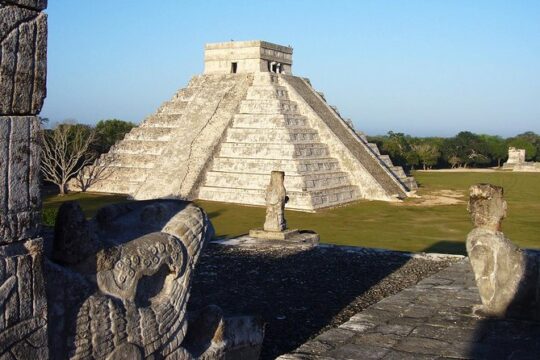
[265,78]
[297,200]
[273,151]
[265,166]
[146,161]
[261,92]
[139,147]
[186,94]
[293,182]
[334,197]
[398,170]
[362,136]
[268,106]
[410,183]
[163,120]
[126,174]
[386,159]
[374,148]
[271,136]
[253,121]
[125,187]
[149,133]
[173,107]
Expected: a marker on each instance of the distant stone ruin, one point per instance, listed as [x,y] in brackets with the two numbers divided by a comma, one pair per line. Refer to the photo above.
[507,278]
[516,161]
[220,137]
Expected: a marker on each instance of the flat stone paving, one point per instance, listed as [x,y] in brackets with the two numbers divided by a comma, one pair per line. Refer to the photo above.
[431,320]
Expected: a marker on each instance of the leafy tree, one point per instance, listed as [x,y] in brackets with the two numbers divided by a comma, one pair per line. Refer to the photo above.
[465,149]
[428,153]
[110,131]
[496,147]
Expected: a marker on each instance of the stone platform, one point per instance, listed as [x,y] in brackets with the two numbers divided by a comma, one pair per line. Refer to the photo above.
[431,320]
[291,235]
[259,238]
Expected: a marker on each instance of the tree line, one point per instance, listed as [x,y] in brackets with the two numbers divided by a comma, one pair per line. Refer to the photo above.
[68,147]
[463,150]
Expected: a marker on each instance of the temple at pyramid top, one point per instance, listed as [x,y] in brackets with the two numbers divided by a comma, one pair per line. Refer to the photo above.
[221,136]
[247,57]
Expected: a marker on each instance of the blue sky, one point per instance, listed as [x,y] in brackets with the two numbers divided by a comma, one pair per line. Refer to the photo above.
[420,67]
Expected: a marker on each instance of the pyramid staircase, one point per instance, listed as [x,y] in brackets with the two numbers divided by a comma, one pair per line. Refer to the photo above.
[220,137]
[268,133]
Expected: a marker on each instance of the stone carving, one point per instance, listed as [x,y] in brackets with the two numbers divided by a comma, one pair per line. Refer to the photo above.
[125,295]
[23,61]
[225,132]
[275,225]
[23,306]
[276,198]
[507,278]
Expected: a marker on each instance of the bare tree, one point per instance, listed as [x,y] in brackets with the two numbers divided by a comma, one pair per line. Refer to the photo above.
[65,151]
[93,173]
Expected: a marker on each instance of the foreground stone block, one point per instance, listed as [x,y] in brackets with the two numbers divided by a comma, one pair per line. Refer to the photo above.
[23,311]
[125,294]
[20,199]
[507,278]
[23,60]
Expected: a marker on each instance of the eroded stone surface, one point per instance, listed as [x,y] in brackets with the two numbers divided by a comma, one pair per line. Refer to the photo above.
[23,310]
[19,175]
[506,277]
[23,60]
[126,292]
[276,198]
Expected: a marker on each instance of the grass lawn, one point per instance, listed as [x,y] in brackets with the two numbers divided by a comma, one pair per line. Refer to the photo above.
[405,226]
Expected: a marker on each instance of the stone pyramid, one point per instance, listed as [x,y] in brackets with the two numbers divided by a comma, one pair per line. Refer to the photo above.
[220,137]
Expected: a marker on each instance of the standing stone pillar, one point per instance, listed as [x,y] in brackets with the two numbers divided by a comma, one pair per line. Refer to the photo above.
[23,305]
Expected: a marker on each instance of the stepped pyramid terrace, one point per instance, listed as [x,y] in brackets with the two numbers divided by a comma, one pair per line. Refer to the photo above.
[220,137]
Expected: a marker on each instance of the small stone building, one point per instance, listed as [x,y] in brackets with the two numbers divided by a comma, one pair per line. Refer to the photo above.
[220,137]
[516,161]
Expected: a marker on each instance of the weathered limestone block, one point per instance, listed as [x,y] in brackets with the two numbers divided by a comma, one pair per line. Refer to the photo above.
[276,198]
[506,277]
[23,312]
[128,298]
[23,60]
[20,200]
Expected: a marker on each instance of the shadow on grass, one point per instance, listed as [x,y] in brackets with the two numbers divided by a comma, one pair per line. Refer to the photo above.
[297,294]
[447,247]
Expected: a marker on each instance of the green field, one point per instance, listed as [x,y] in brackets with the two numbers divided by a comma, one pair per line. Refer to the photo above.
[407,226]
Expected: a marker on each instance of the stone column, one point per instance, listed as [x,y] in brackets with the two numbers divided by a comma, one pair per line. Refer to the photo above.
[23,305]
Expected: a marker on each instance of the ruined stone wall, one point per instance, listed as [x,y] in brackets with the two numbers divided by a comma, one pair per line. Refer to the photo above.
[23,310]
